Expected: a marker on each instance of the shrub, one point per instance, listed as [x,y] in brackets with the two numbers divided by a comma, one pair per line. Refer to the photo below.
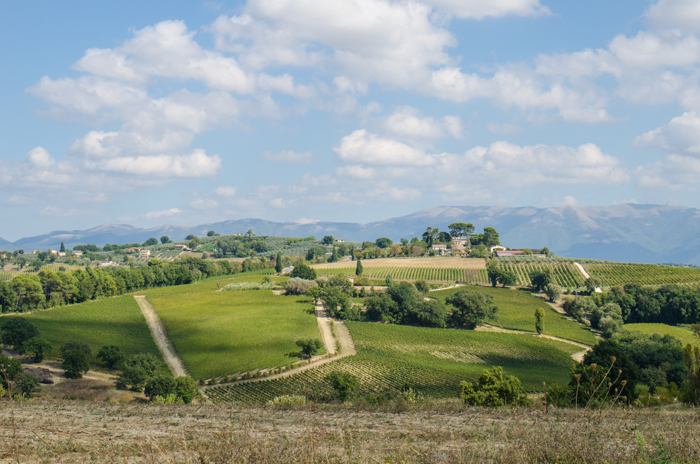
[76,359]
[309,347]
[304,272]
[250,286]
[160,385]
[298,286]
[9,369]
[186,388]
[291,401]
[494,388]
[168,399]
[343,383]
[111,356]
[553,292]
[422,286]
[27,384]
[38,346]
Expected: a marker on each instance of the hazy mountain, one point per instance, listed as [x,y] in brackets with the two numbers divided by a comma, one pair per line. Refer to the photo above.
[636,233]
[4,242]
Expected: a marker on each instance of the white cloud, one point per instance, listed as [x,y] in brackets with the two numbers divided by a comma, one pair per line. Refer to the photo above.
[479,9]
[656,49]
[288,156]
[305,221]
[409,123]
[356,172]
[675,13]
[52,211]
[504,129]
[226,191]
[363,147]
[161,214]
[680,136]
[203,203]
[196,164]
[674,172]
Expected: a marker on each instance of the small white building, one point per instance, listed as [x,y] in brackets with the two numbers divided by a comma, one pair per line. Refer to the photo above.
[77,253]
[182,247]
[107,264]
[339,240]
[144,253]
[498,247]
[440,248]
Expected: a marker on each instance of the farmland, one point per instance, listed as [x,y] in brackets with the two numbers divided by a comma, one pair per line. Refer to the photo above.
[221,333]
[114,321]
[565,273]
[612,274]
[685,336]
[432,361]
[517,312]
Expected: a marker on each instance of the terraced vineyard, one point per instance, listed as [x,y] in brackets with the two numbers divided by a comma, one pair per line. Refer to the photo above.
[644,274]
[432,361]
[565,273]
[10,272]
[440,274]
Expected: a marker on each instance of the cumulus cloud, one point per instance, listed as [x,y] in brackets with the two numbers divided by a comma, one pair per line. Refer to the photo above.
[364,147]
[226,191]
[684,14]
[477,9]
[409,123]
[161,214]
[680,136]
[673,172]
[288,156]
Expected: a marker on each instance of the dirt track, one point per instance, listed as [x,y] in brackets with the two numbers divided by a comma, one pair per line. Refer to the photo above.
[158,331]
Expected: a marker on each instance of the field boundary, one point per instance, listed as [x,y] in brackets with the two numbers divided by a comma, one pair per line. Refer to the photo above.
[155,325]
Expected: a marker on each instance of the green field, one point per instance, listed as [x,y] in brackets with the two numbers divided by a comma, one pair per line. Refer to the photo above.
[684,335]
[517,311]
[222,333]
[565,273]
[441,274]
[113,321]
[644,274]
[432,361]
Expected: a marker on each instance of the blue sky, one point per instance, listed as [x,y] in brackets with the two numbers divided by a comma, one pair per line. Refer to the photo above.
[341,110]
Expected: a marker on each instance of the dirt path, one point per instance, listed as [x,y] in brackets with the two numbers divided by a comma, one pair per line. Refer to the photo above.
[585,274]
[158,331]
[576,356]
[324,325]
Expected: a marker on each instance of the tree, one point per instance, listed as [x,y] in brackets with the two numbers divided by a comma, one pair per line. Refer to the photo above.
[471,308]
[343,383]
[358,268]
[138,369]
[545,251]
[76,359]
[539,320]
[430,235]
[591,284]
[540,278]
[8,297]
[191,237]
[494,389]
[298,286]
[493,271]
[39,347]
[9,369]
[314,252]
[461,229]
[111,356]
[278,263]
[27,384]
[303,272]
[508,278]
[309,346]
[422,286]
[389,280]
[490,237]
[165,239]
[151,241]
[29,292]
[63,248]
[691,389]
[335,302]
[211,233]
[383,242]
[328,240]
[17,331]
[185,388]
[427,314]
[553,292]
[161,384]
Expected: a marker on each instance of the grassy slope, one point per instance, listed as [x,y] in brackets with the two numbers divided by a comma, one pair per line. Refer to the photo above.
[684,335]
[432,361]
[517,311]
[219,333]
[113,321]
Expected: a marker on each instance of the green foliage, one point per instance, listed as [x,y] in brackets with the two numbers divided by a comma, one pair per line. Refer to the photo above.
[328,240]
[162,384]
[27,384]
[16,331]
[471,308]
[185,388]
[422,286]
[389,281]
[343,383]
[111,356]
[539,320]
[494,389]
[540,278]
[315,252]
[303,272]
[39,347]
[298,286]
[336,302]
[150,242]
[76,359]
[383,242]
[358,268]
[553,291]
[606,374]
[309,346]
[691,389]
[9,369]
[612,274]
[138,369]
[660,353]
[278,263]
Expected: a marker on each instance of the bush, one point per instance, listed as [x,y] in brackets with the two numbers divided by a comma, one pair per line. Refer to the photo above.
[111,356]
[39,347]
[160,385]
[553,292]
[291,401]
[298,286]
[304,272]
[17,331]
[309,347]
[138,369]
[28,384]
[169,399]
[494,388]
[422,286]
[343,383]
[250,286]
[185,389]
[9,369]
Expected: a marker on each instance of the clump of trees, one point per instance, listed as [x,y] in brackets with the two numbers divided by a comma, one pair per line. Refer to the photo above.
[494,388]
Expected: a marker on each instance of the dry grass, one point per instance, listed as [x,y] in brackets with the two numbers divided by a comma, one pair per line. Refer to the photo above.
[52,431]
[443,262]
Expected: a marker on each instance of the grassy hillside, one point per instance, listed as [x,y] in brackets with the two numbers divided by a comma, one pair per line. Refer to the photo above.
[220,333]
[517,311]
[114,321]
[684,335]
[433,361]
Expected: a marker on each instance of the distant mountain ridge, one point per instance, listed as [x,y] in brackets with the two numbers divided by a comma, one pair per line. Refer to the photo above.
[626,232]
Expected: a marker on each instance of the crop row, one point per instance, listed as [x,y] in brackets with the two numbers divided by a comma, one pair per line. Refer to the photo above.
[565,274]
[440,274]
[642,274]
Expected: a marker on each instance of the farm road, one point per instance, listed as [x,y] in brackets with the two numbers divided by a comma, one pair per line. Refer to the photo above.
[578,356]
[158,331]
[585,274]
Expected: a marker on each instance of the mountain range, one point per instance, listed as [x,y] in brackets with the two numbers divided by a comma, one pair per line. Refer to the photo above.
[625,232]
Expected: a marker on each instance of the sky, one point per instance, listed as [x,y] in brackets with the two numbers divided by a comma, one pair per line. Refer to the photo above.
[185,112]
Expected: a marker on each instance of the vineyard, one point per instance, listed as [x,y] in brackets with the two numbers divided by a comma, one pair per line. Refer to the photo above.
[432,361]
[643,274]
[9,272]
[685,336]
[416,273]
[565,273]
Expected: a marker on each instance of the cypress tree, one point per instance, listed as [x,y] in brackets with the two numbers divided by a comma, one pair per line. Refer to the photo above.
[63,248]
[278,263]
[358,268]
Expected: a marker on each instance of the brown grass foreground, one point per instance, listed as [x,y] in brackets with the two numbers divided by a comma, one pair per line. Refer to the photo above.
[74,431]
